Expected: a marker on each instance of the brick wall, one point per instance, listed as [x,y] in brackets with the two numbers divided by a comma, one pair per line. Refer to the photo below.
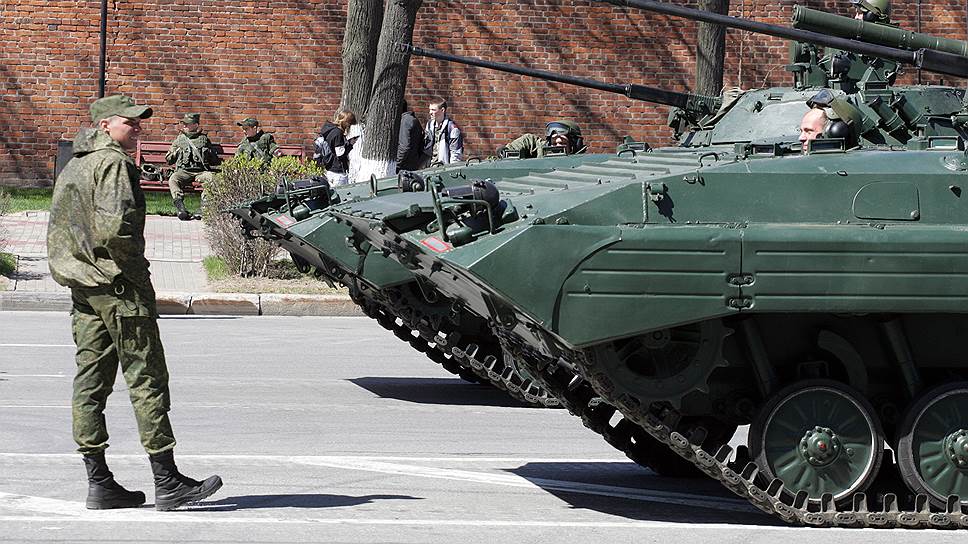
[279,60]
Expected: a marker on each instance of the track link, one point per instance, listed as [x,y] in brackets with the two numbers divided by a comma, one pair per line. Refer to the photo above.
[467,360]
[575,381]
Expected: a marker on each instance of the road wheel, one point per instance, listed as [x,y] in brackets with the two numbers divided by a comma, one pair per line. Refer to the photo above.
[818,436]
[932,450]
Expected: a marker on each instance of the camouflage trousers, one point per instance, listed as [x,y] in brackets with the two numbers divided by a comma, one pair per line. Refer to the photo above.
[117,325]
[180,180]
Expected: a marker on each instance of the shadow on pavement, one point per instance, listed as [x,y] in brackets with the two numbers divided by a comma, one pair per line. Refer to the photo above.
[633,492]
[307,500]
[196,317]
[27,269]
[451,391]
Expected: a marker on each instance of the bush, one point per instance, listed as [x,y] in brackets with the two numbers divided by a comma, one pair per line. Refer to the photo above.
[244,179]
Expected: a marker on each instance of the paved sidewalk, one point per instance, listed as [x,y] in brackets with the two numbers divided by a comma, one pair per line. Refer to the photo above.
[175,250]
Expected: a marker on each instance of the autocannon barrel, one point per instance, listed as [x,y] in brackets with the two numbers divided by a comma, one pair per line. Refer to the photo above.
[701,105]
[847,27]
[931,60]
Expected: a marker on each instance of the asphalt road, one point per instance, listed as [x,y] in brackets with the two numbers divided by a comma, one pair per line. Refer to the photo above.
[332,430]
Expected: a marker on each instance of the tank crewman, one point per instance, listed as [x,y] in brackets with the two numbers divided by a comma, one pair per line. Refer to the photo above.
[873,11]
[194,158]
[561,138]
[830,117]
[96,247]
[257,144]
[811,126]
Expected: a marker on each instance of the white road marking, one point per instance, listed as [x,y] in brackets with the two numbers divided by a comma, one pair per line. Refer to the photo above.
[72,458]
[5,375]
[36,345]
[166,517]
[514,480]
[71,509]
[384,466]
[32,406]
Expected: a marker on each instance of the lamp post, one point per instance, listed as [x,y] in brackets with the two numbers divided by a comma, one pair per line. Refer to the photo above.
[104,48]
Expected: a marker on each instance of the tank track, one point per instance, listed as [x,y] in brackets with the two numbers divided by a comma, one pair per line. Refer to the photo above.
[571,381]
[462,360]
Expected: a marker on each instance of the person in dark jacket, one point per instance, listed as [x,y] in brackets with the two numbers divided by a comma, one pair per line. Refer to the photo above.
[410,154]
[332,150]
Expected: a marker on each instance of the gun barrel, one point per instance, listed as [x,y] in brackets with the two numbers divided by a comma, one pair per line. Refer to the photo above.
[847,27]
[927,59]
[638,92]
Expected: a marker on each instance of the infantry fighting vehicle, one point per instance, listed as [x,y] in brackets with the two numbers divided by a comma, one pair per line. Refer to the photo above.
[817,297]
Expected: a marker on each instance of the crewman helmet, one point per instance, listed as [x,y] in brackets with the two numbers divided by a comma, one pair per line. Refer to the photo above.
[875,10]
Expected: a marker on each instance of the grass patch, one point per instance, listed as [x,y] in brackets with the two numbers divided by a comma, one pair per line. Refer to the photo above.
[283,278]
[156,202]
[159,203]
[215,268]
[28,199]
[8,264]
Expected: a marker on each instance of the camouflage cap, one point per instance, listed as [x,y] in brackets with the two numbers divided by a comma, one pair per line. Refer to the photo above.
[248,122]
[120,105]
[190,118]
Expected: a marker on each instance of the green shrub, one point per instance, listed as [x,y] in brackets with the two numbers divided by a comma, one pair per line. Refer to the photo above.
[8,264]
[243,179]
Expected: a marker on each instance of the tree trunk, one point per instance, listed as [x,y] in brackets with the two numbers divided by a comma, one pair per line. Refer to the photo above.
[363,19]
[711,51]
[389,85]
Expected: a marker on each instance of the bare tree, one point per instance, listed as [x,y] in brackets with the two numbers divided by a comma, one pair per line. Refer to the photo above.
[711,51]
[389,85]
[363,19]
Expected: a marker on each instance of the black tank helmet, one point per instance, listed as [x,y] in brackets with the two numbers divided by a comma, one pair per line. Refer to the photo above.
[571,130]
[875,11]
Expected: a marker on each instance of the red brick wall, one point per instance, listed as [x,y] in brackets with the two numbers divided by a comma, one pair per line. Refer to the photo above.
[279,60]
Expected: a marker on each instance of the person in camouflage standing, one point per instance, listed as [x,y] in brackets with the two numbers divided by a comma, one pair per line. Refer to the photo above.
[194,157]
[96,246]
[561,138]
[256,144]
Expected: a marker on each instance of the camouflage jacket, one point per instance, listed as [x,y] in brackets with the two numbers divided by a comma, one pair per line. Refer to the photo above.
[528,145]
[261,146]
[194,153]
[531,146]
[97,216]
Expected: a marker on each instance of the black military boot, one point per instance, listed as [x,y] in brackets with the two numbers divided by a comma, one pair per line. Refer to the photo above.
[174,489]
[182,211]
[102,491]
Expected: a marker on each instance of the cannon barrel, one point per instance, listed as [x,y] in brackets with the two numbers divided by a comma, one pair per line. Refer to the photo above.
[847,27]
[701,105]
[930,60]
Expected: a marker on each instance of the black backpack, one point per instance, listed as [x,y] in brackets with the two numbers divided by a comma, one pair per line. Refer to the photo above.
[323,153]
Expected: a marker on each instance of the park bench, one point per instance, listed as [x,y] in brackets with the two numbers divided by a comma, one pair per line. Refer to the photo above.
[155,176]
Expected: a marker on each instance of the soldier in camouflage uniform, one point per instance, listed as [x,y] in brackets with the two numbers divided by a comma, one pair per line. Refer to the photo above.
[194,158]
[256,144]
[96,246]
[561,138]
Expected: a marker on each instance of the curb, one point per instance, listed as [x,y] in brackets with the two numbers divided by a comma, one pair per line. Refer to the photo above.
[174,303]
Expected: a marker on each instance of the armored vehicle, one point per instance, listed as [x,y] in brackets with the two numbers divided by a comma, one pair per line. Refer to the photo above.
[668,296]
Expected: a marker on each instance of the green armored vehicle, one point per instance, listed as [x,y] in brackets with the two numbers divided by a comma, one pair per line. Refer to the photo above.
[668,296]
